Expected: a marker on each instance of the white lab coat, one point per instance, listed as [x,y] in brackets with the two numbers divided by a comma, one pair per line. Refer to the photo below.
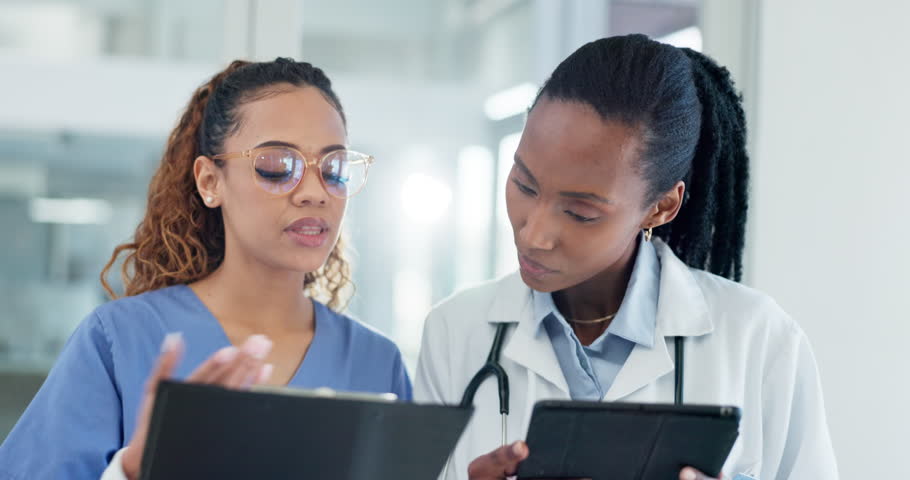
[741,349]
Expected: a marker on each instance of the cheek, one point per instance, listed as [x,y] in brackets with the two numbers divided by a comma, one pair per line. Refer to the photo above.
[585,245]
[340,207]
[336,212]
[250,211]
[254,218]
[596,249]
[516,206]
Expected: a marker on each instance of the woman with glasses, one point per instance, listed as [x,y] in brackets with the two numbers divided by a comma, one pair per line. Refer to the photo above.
[240,238]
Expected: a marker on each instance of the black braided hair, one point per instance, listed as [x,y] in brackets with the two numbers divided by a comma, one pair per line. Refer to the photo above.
[693,129]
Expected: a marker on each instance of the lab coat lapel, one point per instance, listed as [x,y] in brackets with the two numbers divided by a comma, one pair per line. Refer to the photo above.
[526,345]
[681,311]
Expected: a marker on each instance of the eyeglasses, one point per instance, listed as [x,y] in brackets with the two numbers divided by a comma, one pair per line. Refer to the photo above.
[278,170]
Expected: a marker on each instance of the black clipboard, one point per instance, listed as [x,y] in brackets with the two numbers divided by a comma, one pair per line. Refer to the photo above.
[605,441]
[202,431]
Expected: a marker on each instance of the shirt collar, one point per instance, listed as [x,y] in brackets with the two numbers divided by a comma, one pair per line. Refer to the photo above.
[637,316]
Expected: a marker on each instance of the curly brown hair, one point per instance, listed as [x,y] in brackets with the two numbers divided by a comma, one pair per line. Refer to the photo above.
[180,240]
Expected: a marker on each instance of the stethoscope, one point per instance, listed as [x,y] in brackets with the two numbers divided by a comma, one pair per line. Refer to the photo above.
[492,367]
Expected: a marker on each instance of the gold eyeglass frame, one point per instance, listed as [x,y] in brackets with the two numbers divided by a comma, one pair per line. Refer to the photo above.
[307,162]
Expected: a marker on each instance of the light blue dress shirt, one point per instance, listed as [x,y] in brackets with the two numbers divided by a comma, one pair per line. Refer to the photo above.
[86,409]
[590,370]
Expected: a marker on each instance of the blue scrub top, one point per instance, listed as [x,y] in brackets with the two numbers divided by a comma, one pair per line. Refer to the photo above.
[86,410]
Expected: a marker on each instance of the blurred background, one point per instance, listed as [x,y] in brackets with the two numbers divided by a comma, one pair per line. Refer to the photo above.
[436,90]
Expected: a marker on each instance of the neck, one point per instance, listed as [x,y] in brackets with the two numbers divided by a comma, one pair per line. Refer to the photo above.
[597,297]
[246,295]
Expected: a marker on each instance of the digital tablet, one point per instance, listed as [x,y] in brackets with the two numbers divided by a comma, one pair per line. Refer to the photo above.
[606,441]
[202,431]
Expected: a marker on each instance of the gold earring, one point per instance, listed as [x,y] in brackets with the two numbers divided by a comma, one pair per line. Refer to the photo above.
[648,232]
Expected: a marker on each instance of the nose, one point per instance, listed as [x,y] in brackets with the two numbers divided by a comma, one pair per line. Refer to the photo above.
[310,191]
[538,232]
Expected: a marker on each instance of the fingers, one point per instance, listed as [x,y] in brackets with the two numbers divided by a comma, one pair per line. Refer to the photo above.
[250,363]
[690,473]
[230,367]
[171,351]
[215,366]
[234,367]
[265,373]
[499,463]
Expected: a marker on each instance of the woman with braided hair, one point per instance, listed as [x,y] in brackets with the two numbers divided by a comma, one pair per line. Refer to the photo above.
[627,200]
[239,252]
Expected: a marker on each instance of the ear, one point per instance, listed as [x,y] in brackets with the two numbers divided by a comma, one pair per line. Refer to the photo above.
[666,208]
[208,181]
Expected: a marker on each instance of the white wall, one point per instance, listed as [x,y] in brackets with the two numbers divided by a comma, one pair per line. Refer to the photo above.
[829,220]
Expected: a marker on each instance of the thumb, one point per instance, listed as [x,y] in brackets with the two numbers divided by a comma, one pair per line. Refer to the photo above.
[171,352]
[690,473]
[499,463]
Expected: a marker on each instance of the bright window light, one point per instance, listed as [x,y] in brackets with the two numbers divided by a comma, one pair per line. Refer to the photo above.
[509,102]
[475,190]
[79,211]
[507,147]
[412,300]
[689,37]
[425,199]
[506,257]
[474,213]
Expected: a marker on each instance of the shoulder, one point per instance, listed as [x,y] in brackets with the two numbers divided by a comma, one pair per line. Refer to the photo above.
[749,321]
[354,332]
[374,357]
[742,306]
[731,306]
[476,301]
[160,304]
[136,325]
[469,316]
[109,320]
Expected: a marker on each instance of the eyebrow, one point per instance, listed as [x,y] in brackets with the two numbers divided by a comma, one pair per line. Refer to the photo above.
[578,195]
[586,196]
[524,168]
[279,143]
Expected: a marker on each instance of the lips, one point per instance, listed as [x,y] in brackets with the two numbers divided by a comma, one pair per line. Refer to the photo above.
[309,231]
[533,268]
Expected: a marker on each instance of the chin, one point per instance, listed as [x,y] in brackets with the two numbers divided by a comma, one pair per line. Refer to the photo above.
[304,262]
[547,283]
[310,265]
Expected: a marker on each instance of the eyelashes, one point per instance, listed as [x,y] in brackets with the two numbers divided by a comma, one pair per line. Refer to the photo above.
[526,190]
[273,175]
